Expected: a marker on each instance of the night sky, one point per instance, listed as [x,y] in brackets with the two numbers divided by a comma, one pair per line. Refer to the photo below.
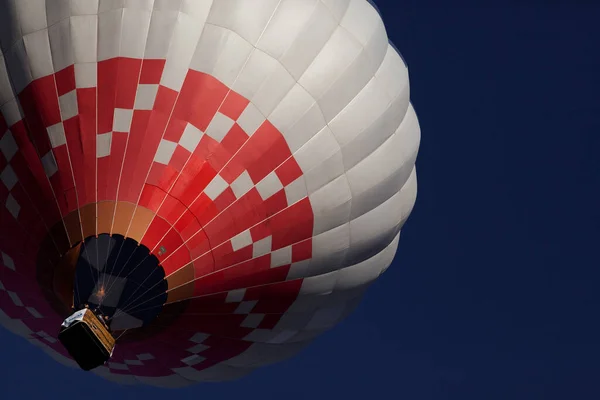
[493,293]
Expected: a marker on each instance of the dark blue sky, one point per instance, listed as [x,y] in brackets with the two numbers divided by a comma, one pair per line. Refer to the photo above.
[493,294]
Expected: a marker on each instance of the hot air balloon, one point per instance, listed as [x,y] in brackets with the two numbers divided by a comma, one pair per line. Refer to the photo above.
[209,184]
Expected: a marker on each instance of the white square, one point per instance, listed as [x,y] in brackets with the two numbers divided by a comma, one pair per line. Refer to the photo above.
[37,46]
[262,247]
[118,366]
[86,75]
[246,307]
[298,270]
[50,339]
[197,9]
[46,337]
[108,296]
[84,38]
[32,15]
[122,121]
[251,119]
[145,97]
[16,299]
[2,288]
[103,144]
[68,105]
[12,112]
[241,240]
[84,7]
[49,163]
[269,186]
[235,296]
[184,38]
[193,360]
[134,28]
[42,334]
[34,312]
[190,138]
[281,257]
[8,177]
[12,206]
[8,146]
[110,31]
[145,357]
[56,133]
[219,126]
[8,261]
[296,191]
[165,151]
[107,5]
[242,184]
[56,14]
[283,337]
[252,321]
[62,56]
[326,317]
[198,337]
[14,59]
[199,348]
[216,187]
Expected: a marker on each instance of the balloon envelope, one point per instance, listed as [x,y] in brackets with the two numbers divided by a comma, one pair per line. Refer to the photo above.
[223,179]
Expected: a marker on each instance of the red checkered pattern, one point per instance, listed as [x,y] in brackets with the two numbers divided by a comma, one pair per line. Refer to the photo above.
[220,177]
[213,329]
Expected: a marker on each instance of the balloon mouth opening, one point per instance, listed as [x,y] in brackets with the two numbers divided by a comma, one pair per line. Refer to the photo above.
[120,279]
[116,274]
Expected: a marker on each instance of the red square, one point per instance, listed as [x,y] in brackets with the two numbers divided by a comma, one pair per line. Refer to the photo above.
[235,139]
[234,105]
[156,231]
[289,171]
[226,257]
[152,71]
[179,158]
[152,197]
[127,82]
[41,99]
[199,246]
[302,251]
[219,156]
[188,225]
[204,209]
[174,130]
[292,225]
[171,209]
[65,80]
[192,180]
[3,125]
[165,100]
[221,229]
[263,152]
[199,99]
[248,210]
[225,199]
[107,91]
[203,266]
[261,231]
[169,246]
[162,176]
[176,260]
[276,203]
